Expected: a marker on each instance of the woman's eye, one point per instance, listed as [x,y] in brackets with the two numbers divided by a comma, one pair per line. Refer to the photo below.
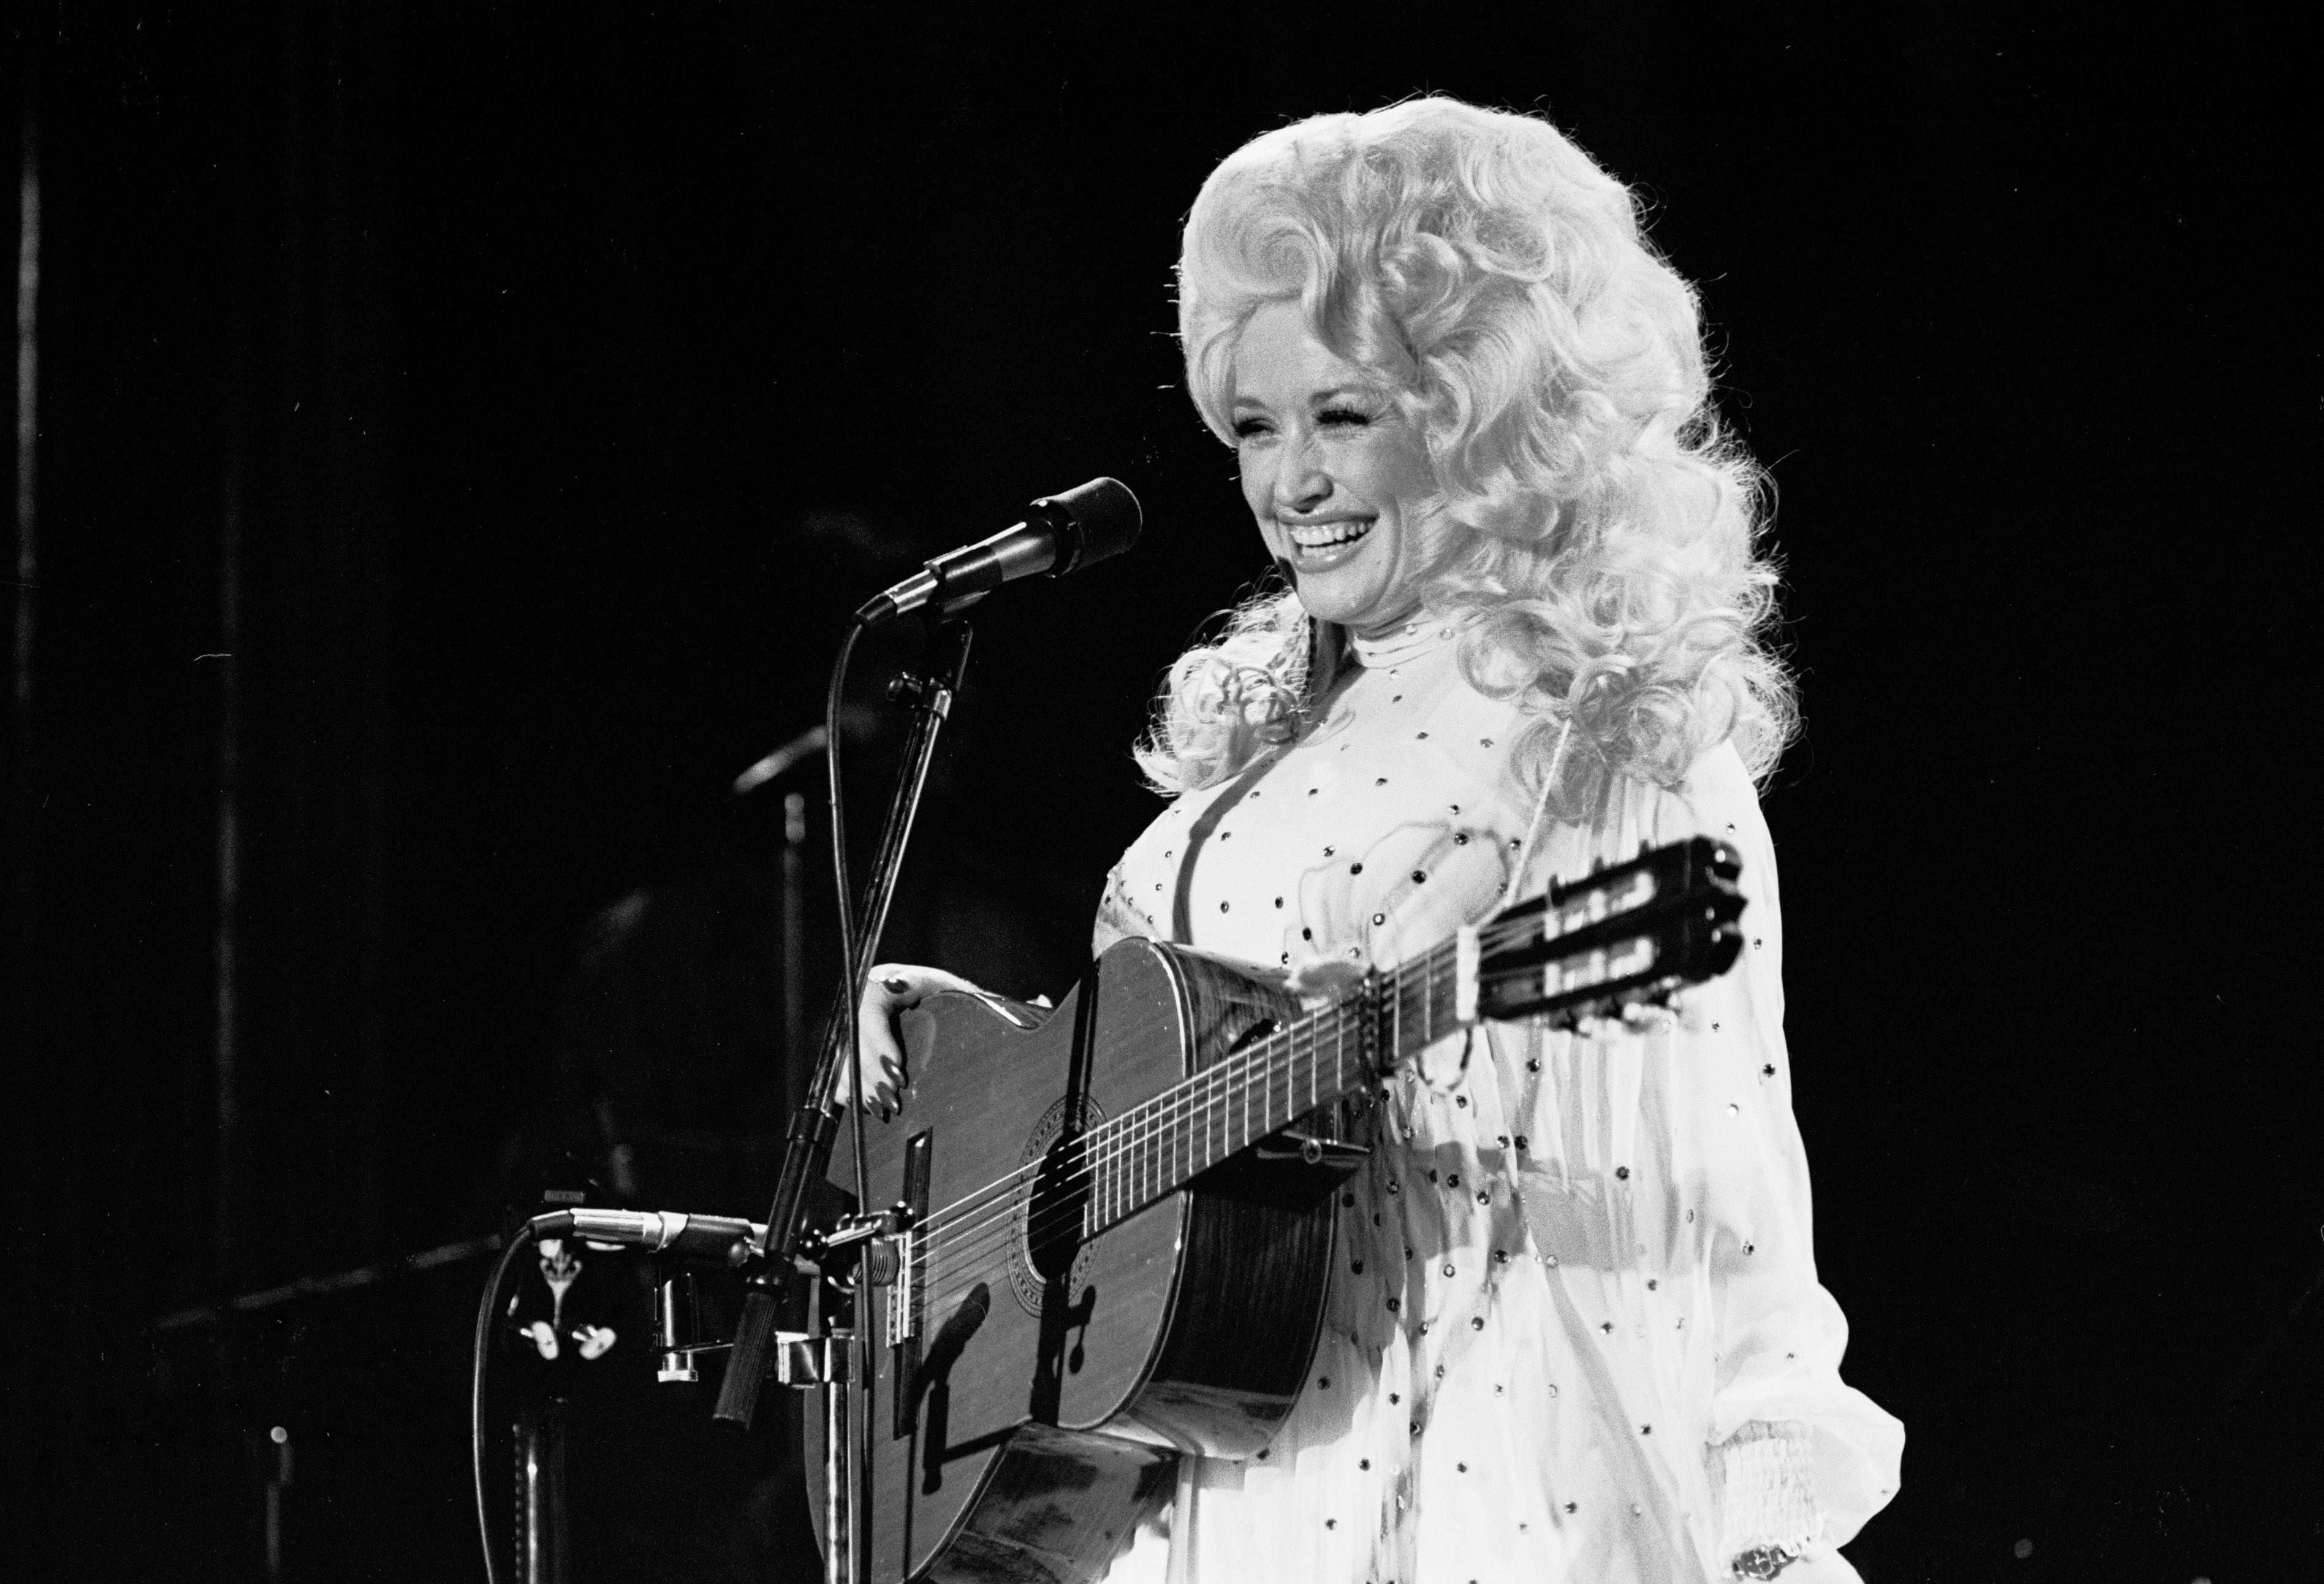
[1347,416]
[1249,428]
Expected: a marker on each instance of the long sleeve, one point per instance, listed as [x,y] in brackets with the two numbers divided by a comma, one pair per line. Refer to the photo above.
[1678,1190]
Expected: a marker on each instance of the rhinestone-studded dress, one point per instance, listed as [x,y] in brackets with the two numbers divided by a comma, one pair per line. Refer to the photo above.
[1570,1269]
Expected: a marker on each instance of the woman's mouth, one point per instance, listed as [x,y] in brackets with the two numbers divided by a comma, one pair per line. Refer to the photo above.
[1319,544]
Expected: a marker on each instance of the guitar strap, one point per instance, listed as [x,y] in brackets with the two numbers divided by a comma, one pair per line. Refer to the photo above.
[1181,910]
[1327,660]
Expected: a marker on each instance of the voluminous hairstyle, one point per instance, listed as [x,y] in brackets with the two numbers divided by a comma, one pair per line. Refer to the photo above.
[1600,534]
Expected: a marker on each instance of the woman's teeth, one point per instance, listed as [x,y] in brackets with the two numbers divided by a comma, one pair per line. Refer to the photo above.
[1328,535]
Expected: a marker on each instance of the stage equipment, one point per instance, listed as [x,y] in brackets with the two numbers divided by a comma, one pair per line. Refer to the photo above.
[809,743]
[800,748]
[559,1346]
[1061,532]
[1060,535]
[720,1239]
[1114,1225]
[362,1276]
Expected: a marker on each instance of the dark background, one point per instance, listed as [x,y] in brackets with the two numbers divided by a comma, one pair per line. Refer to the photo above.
[517,395]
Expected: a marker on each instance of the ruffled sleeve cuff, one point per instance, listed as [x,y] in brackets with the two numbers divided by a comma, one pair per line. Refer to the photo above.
[1768,1501]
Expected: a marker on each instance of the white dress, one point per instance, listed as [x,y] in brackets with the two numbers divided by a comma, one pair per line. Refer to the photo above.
[1570,1269]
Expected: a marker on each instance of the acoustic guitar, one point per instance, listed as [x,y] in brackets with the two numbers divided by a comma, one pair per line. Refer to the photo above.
[1116,1221]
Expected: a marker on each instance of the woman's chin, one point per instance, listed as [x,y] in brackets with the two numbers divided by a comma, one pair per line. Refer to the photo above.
[1346,589]
[1360,603]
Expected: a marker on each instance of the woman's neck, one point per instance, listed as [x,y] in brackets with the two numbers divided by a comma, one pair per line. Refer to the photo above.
[1390,643]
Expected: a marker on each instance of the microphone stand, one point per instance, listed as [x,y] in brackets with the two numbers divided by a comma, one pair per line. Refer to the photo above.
[927,693]
[808,743]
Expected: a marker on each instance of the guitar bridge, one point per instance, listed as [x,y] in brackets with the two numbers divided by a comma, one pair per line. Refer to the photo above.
[896,1257]
[903,1244]
[903,1307]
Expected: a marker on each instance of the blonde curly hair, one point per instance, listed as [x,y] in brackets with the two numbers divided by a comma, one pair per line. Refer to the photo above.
[1604,566]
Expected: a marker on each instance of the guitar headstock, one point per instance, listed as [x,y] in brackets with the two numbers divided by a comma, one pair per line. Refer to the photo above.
[1625,937]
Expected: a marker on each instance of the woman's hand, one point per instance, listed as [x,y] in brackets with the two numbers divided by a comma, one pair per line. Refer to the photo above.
[1321,980]
[893,989]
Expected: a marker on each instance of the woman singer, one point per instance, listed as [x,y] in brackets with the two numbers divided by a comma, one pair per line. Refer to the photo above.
[1574,1332]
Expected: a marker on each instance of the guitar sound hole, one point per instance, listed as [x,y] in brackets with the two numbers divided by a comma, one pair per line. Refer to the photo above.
[1052,1230]
[1048,1247]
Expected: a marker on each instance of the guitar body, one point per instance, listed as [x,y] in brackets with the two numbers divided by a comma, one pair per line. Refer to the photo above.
[1035,1416]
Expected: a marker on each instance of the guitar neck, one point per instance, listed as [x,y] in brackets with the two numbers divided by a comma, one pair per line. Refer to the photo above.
[1623,937]
[1157,1148]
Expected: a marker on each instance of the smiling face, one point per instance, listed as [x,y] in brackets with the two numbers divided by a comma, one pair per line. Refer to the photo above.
[1332,471]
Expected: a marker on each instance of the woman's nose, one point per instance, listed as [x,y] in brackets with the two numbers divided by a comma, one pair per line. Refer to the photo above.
[1301,482]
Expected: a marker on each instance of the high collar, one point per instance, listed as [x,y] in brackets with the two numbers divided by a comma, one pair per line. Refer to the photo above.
[1423,634]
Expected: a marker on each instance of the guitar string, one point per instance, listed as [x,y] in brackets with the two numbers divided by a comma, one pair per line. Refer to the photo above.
[1192,1119]
[1432,964]
[1224,1080]
[1146,1144]
[968,1258]
[1153,1143]
[1166,1120]
[966,1252]
[1500,923]
[1217,1072]
[1139,1136]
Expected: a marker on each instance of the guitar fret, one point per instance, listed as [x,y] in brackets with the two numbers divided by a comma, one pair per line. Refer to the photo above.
[1238,1093]
[1396,1017]
[1246,1113]
[1159,1147]
[1214,1116]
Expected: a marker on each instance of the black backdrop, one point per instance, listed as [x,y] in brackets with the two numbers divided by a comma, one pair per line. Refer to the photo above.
[458,429]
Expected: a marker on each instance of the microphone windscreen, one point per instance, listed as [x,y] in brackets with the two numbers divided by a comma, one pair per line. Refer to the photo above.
[1105,516]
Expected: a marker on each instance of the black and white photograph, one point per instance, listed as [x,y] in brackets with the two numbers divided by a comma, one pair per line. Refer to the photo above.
[1292,793]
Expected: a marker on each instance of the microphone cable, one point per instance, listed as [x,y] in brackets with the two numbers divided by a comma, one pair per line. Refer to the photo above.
[519,1241]
[851,971]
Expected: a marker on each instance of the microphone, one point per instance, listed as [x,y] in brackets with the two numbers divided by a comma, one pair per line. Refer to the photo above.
[712,1238]
[1060,533]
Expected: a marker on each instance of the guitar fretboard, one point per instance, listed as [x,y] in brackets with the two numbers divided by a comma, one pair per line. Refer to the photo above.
[1154,1149]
